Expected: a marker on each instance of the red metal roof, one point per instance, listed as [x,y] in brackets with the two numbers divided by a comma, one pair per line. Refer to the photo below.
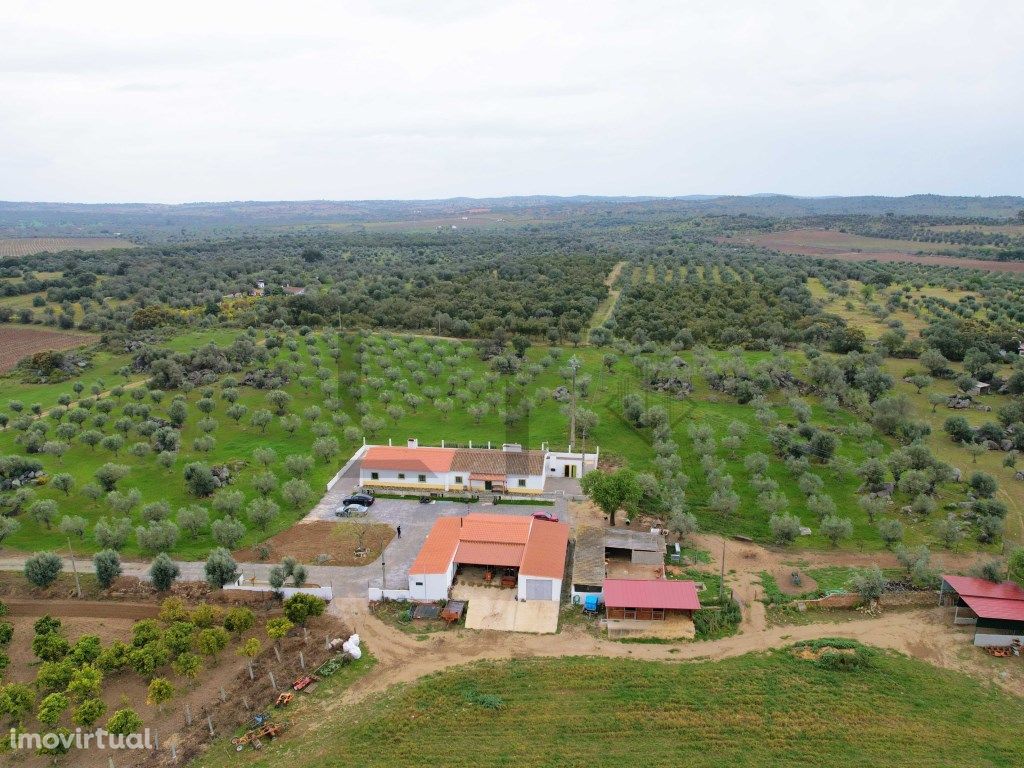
[486,553]
[988,599]
[651,593]
[975,587]
[994,608]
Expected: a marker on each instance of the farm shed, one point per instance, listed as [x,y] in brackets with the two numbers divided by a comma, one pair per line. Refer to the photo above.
[995,610]
[528,553]
[588,570]
[639,547]
[649,599]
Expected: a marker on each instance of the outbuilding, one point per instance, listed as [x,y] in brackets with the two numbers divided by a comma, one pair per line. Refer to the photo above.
[996,610]
[517,551]
[649,599]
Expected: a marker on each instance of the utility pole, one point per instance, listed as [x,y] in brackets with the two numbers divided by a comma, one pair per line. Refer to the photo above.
[383,576]
[574,367]
[74,567]
[721,582]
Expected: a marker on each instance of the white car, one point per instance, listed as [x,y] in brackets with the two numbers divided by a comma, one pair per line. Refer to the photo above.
[352,510]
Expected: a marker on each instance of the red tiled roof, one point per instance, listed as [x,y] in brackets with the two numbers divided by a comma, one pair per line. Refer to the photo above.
[545,550]
[408,459]
[484,553]
[498,529]
[988,599]
[536,547]
[439,547]
[651,593]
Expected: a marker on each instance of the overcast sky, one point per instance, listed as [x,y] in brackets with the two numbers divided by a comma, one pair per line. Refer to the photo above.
[214,100]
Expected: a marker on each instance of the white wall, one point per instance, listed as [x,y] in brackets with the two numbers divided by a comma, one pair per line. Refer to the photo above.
[555,463]
[555,584]
[980,638]
[431,586]
[533,483]
[582,596]
[411,479]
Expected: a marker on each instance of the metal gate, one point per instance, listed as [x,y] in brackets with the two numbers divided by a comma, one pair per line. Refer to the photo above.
[538,589]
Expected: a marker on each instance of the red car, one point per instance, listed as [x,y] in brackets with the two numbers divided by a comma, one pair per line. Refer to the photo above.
[545,516]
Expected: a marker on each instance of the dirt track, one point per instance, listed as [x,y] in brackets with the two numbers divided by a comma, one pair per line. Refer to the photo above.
[924,634]
[83,609]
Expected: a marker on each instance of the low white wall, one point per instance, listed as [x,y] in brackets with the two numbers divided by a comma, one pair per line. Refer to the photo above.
[376,593]
[355,457]
[981,638]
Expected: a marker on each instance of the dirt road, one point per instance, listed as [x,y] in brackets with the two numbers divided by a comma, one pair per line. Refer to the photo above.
[84,609]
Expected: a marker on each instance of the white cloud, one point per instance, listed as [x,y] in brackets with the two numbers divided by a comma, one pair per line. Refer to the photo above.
[267,100]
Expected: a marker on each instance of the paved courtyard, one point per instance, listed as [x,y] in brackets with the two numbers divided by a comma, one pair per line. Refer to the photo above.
[415,520]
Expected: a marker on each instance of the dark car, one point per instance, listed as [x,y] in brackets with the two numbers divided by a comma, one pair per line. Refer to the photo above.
[545,516]
[364,499]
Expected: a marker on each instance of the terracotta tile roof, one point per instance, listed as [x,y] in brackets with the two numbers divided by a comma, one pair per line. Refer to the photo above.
[651,593]
[545,550]
[408,459]
[488,553]
[439,547]
[496,529]
[497,462]
[536,547]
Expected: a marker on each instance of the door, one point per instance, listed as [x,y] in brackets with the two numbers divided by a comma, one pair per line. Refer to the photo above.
[570,470]
[488,485]
[538,589]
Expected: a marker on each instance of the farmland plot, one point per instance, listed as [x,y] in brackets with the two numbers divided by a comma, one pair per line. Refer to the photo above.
[13,247]
[17,342]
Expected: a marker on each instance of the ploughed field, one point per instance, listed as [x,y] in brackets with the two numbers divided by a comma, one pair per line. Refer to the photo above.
[831,244]
[12,247]
[17,342]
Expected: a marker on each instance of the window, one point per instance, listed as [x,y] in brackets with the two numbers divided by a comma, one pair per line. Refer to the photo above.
[458,479]
[423,478]
[401,475]
[522,483]
[375,475]
[419,583]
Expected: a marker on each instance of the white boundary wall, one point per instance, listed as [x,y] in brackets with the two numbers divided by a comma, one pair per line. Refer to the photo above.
[355,457]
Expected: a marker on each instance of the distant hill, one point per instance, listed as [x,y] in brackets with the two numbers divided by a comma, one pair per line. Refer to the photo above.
[155,221]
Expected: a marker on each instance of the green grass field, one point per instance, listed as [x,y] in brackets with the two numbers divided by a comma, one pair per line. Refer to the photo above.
[760,710]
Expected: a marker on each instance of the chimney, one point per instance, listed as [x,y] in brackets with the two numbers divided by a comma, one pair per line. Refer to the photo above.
[512,448]
[412,442]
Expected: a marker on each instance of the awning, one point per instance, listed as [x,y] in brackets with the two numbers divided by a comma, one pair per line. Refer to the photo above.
[485,477]
[489,553]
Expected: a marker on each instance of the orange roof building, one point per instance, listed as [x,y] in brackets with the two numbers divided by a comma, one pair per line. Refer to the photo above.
[536,549]
[508,469]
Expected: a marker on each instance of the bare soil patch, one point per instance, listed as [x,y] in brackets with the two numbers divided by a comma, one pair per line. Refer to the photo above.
[838,245]
[339,543]
[783,578]
[18,341]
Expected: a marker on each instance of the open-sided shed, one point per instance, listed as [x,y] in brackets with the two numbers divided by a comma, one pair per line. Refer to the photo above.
[995,610]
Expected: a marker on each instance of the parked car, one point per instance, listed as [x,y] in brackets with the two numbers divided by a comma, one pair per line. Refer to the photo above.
[545,516]
[365,499]
[352,510]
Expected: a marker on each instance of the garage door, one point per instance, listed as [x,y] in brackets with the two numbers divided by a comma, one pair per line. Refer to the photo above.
[538,589]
